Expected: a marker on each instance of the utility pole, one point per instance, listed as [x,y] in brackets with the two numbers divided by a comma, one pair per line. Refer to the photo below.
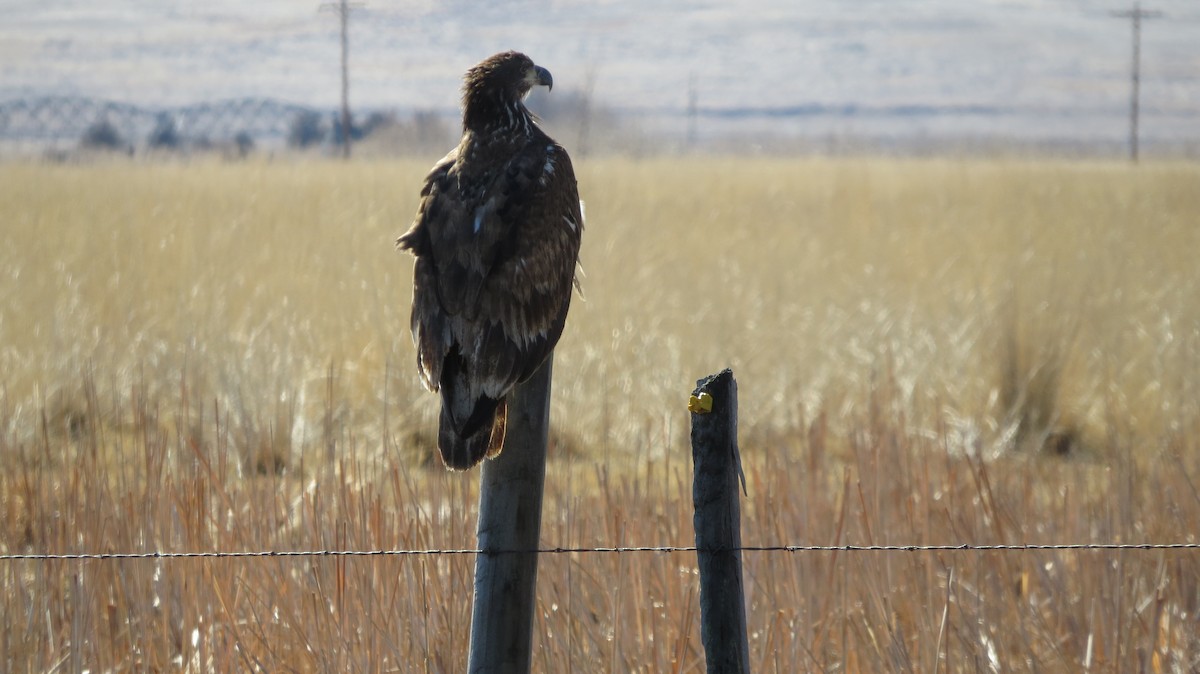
[1136,15]
[692,110]
[583,144]
[343,8]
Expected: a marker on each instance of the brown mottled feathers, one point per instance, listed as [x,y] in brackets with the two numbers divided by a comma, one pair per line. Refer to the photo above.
[496,239]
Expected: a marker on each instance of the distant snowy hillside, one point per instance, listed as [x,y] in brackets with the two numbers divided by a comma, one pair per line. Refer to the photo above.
[1030,69]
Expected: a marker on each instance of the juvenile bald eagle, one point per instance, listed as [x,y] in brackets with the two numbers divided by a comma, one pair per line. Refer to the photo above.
[496,239]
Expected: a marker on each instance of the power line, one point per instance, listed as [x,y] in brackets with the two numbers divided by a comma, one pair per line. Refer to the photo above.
[962,547]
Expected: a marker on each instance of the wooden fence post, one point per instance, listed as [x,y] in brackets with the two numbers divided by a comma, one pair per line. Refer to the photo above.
[510,518]
[716,472]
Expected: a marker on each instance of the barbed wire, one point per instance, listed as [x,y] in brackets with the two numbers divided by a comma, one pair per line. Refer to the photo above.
[953,547]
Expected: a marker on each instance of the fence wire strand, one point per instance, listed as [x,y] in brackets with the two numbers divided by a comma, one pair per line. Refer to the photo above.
[963,547]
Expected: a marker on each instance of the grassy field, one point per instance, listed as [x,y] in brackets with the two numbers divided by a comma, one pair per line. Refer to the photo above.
[215,356]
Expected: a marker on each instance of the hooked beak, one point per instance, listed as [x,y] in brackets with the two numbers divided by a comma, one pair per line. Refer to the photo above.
[543,77]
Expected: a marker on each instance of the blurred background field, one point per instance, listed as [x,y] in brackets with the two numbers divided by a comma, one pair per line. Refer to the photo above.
[199,355]
[261,286]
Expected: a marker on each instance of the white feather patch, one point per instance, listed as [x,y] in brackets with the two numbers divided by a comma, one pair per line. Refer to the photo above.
[548,167]
[479,212]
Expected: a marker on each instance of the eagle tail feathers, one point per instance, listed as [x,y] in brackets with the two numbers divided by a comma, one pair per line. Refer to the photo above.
[460,452]
[482,436]
[471,425]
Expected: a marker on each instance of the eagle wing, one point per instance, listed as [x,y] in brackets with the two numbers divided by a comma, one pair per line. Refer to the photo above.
[496,244]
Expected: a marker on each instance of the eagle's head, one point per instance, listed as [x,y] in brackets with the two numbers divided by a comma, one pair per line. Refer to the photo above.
[499,82]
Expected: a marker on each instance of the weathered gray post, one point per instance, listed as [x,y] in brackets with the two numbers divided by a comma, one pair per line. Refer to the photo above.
[716,471]
[510,518]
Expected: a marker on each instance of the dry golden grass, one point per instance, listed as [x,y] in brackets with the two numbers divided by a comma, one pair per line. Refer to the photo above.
[215,357]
